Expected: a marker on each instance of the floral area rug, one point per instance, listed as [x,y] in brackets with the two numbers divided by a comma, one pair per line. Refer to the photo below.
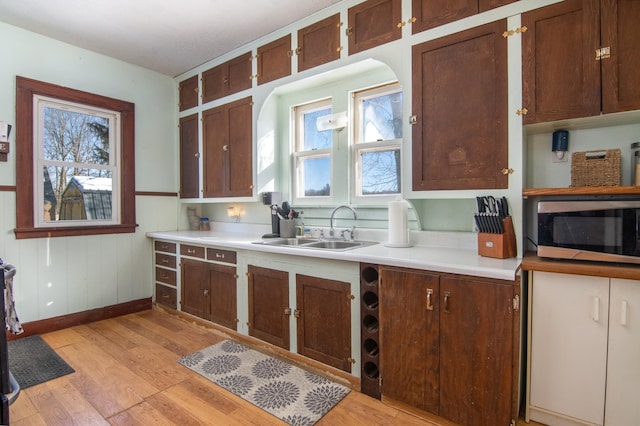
[288,392]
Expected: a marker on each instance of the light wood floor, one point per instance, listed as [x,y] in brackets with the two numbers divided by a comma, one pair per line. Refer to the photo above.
[126,374]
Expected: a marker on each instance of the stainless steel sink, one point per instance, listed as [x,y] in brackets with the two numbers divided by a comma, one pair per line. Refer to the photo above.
[338,245]
[295,242]
[308,243]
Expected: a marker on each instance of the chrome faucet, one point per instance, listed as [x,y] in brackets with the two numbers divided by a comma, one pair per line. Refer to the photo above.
[332,220]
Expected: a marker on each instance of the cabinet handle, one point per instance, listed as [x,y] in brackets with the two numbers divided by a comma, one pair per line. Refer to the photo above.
[219,255]
[623,313]
[429,305]
[596,309]
[446,302]
[287,311]
[191,251]
[165,261]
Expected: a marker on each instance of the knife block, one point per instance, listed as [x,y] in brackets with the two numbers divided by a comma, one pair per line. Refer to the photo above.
[499,246]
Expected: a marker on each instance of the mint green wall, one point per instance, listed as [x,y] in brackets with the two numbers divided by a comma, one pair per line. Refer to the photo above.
[58,276]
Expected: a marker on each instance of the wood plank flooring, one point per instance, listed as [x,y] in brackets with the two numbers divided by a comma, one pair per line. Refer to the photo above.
[126,374]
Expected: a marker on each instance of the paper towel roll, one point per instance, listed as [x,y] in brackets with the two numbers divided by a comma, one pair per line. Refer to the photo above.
[398,224]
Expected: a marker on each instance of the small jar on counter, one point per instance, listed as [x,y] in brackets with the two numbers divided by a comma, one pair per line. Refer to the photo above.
[635,163]
[204,224]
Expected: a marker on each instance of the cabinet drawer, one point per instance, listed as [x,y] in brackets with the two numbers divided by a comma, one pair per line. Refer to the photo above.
[167,276]
[165,260]
[221,255]
[193,251]
[166,296]
[165,247]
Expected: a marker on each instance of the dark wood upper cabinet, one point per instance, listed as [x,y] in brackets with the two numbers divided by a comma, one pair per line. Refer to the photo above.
[189,157]
[188,93]
[373,23]
[561,77]
[433,13]
[268,305]
[580,59]
[227,144]
[226,79]
[621,71]
[319,43]
[324,321]
[460,137]
[274,60]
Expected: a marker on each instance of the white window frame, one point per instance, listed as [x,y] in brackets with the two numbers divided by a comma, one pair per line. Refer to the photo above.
[299,154]
[39,162]
[359,146]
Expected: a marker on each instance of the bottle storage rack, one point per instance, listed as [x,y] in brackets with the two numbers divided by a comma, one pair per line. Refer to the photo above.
[369,331]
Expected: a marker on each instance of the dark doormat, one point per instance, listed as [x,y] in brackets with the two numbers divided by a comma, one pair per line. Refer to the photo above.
[32,361]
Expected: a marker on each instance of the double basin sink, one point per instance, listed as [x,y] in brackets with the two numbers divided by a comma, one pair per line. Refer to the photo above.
[309,243]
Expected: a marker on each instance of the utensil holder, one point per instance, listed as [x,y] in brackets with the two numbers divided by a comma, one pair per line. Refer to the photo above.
[499,246]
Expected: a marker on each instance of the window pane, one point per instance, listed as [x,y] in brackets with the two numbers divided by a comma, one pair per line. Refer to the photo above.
[314,139]
[382,117]
[380,172]
[72,194]
[75,136]
[316,176]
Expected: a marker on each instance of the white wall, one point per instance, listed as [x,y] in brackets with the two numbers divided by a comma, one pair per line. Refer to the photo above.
[64,275]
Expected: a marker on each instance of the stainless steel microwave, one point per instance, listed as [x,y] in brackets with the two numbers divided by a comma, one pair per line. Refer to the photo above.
[598,230]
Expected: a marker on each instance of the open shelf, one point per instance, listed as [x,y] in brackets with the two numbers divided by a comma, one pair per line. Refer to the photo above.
[584,190]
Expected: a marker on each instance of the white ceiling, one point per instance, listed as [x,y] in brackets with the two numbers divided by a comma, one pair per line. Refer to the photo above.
[166,36]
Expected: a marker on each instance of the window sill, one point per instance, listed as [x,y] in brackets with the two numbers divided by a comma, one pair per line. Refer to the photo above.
[24,233]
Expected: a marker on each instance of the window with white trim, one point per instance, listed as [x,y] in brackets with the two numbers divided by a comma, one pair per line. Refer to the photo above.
[312,152]
[70,143]
[377,142]
[76,168]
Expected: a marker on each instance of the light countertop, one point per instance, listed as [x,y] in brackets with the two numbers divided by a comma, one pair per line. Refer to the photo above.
[446,252]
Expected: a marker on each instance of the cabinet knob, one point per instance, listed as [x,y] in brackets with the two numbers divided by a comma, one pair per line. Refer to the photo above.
[206,291]
[225,147]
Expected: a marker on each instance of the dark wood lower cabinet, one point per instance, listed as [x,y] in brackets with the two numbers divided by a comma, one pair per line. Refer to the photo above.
[209,292]
[324,320]
[449,345]
[269,305]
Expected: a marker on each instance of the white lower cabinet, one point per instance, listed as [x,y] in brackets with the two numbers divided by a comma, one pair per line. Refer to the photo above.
[584,350]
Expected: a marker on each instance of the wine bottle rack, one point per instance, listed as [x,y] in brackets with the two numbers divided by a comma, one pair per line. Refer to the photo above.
[369,331]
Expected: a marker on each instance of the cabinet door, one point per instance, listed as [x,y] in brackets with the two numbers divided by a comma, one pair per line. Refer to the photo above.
[274,60]
[215,138]
[238,175]
[188,92]
[620,32]
[409,337]
[319,43]
[460,102]
[227,147]
[476,351]
[223,295]
[561,78]
[189,157]
[433,13]
[569,345]
[228,78]
[195,288]
[623,369]
[372,23]
[268,305]
[324,322]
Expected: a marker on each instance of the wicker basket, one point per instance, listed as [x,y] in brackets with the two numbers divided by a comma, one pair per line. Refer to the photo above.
[595,168]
